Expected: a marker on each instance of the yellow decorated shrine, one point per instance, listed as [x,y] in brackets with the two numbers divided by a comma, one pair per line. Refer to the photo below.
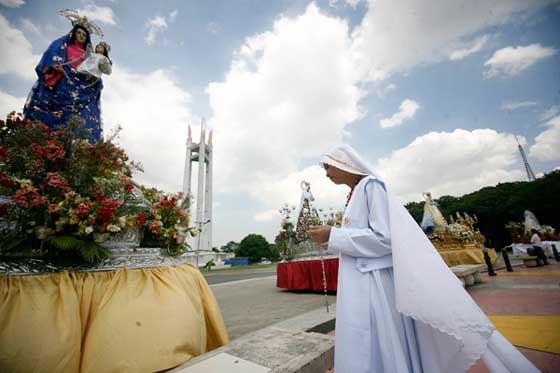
[458,242]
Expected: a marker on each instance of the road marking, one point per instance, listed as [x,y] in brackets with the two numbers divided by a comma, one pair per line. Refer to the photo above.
[245,280]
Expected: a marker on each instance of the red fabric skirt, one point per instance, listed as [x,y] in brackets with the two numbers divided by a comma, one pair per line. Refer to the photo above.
[307,275]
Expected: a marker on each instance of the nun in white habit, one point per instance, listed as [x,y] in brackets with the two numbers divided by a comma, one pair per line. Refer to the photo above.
[399,307]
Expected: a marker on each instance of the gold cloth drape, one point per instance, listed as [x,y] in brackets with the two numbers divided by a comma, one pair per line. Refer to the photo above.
[125,320]
[466,256]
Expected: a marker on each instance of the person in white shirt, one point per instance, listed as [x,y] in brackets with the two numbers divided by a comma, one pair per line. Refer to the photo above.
[537,249]
[399,307]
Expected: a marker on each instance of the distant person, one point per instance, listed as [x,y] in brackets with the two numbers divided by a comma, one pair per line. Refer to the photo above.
[537,249]
[399,308]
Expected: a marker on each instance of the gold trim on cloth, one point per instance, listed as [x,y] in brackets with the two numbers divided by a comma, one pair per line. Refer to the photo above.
[346,164]
[466,256]
[126,320]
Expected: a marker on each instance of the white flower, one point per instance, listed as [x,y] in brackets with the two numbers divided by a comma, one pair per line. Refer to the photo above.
[88,229]
[122,220]
[180,239]
[113,228]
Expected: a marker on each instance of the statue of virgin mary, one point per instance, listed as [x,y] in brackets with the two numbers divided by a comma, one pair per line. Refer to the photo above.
[60,90]
[433,218]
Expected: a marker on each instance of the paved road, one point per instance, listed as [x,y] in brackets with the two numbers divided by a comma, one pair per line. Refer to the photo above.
[256,303]
[219,277]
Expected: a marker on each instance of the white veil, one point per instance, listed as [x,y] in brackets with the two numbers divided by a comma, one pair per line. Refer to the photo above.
[426,289]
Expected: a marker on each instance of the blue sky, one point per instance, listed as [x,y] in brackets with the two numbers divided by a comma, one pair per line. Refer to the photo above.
[432,94]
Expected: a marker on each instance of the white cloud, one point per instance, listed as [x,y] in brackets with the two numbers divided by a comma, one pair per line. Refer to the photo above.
[155,26]
[12,3]
[20,60]
[275,109]
[273,194]
[29,26]
[517,105]
[549,113]
[451,163]
[275,106]
[511,61]
[383,92]
[547,143]
[407,110]
[153,111]
[395,36]
[173,15]
[9,103]
[103,14]
[459,54]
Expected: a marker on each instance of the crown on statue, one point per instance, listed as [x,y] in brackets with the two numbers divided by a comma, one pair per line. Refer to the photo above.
[74,17]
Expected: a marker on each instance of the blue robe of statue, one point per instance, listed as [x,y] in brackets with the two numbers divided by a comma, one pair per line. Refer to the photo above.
[73,94]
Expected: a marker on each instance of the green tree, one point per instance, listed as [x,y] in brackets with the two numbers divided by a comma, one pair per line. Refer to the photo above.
[229,247]
[254,246]
[274,253]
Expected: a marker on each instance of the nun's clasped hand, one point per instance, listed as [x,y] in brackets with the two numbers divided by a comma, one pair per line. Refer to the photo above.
[319,233]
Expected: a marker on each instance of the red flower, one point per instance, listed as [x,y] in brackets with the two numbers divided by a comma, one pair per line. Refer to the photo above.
[53,207]
[28,197]
[129,187]
[55,180]
[37,150]
[141,219]
[5,180]
[107,209]
[53,150]
[3,155]
[45,128]
[3,210]
[83,209]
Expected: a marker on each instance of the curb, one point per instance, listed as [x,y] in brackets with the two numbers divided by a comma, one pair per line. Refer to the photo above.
[294,345]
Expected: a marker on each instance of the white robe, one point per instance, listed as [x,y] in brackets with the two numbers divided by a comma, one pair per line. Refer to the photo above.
[371,334]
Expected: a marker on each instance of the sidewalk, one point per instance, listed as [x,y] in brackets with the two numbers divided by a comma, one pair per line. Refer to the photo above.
[524,305]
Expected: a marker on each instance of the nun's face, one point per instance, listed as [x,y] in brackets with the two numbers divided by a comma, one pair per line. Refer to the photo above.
[336,175]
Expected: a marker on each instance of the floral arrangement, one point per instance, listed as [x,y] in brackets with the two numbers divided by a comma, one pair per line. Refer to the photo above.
[287,234]
[332,218]
[166,224]
[63,197]
[517,232]
[287,237]
[61,192]
[456,235]
[548,233]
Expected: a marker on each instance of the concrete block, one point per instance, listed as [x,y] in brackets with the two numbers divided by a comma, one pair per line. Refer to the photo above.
[224,362]
[287,347]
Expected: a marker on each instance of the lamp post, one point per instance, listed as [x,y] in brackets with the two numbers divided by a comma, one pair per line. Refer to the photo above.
[200,224]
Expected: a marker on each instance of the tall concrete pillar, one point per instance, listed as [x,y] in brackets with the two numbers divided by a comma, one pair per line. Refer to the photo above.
[201,153]
[188,169]
[207,229]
